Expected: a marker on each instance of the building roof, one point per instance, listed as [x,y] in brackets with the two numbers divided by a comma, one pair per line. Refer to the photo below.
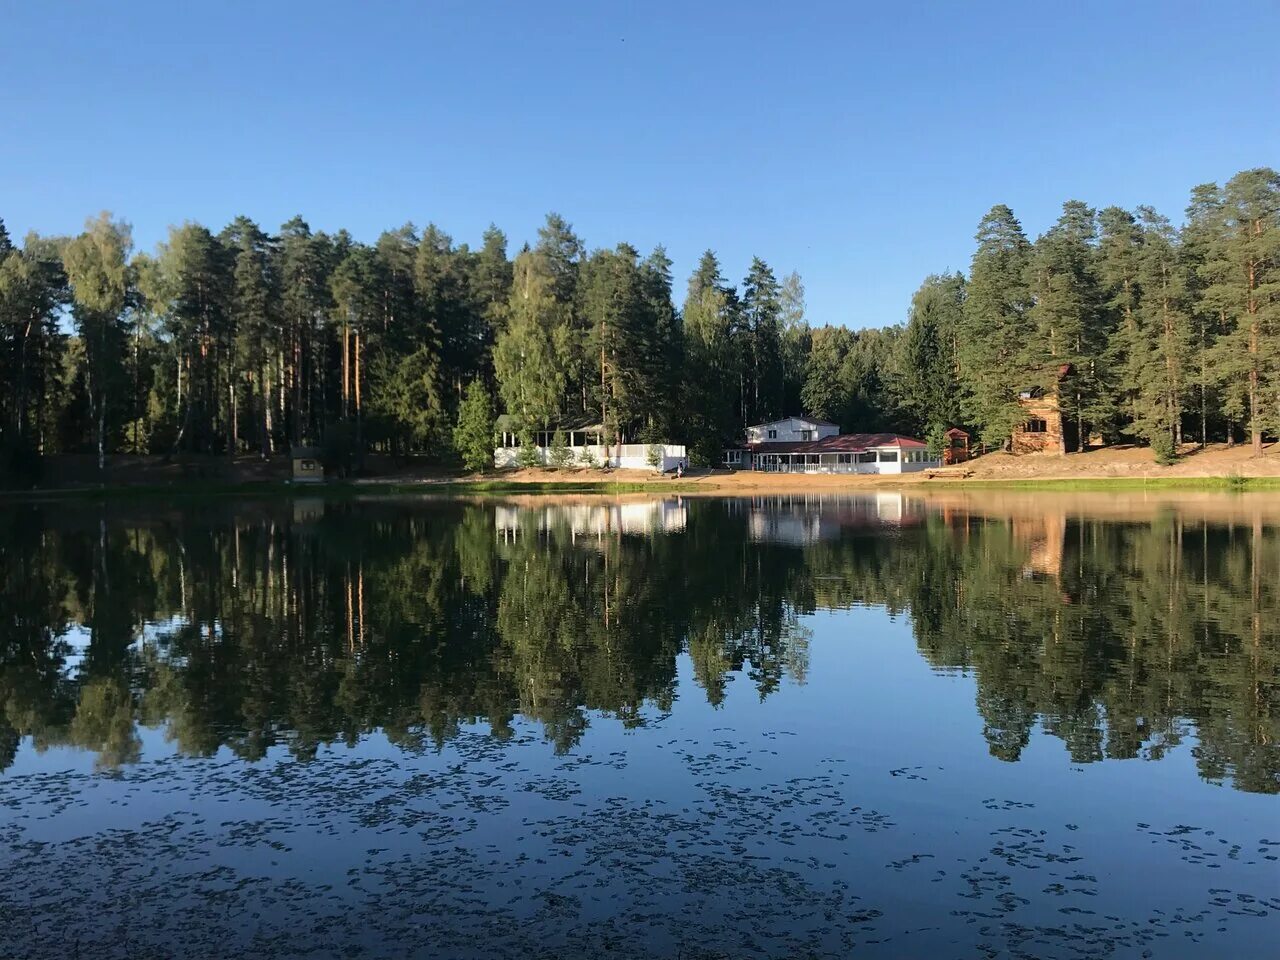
[843,443]
[816,421]
[956,432]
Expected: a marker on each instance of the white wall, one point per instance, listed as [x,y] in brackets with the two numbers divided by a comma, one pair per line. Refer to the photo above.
[627,456]
[789,431]
[830,463]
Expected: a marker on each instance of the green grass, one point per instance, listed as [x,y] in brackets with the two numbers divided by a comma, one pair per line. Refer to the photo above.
[339,489]
[1229,484]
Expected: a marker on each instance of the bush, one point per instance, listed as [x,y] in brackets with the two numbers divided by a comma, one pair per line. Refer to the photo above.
[936,441]
[559,455]
[588,458]
[527,455]
[653,456]
[473,436]
[1162,447]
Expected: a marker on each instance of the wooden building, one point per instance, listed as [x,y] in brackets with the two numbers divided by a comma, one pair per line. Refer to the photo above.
[308,467]
[1041,430]
[957,448]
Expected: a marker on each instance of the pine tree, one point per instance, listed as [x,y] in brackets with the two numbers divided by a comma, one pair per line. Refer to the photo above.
[993,342]
[534,358]
[1161,355]
[1067,320]
[32,293]
[255,318]
[797,340]
[1119,253]
[196,281]
[1244,271]
[1203,225]
[828,386]
[473,436]
[926,381]
[711,363]
[667,356]
[761,318]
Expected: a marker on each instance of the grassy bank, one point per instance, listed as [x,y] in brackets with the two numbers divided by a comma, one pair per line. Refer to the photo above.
[339,490]
[729,485]
[1229,484]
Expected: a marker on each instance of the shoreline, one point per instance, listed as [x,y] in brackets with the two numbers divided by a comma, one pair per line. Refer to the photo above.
[1218,468]
[724,485]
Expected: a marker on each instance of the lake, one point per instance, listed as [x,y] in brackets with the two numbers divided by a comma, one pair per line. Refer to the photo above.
[970,725]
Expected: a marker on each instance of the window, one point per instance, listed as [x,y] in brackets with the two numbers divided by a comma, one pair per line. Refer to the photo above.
[805,434]
[888,456]
[1035,425]
[773,434]
[867,456]
[844,459]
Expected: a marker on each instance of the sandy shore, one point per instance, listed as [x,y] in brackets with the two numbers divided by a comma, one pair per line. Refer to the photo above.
[1111,463]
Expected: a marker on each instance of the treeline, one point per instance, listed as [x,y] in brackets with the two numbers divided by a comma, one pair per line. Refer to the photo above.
[1166,334]
[243,341]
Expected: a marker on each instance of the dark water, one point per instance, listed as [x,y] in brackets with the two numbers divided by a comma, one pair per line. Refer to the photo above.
[872,727]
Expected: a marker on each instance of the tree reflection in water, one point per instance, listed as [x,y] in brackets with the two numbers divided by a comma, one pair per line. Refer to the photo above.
[252,625]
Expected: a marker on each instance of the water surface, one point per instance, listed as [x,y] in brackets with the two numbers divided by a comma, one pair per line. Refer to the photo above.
[1019,725]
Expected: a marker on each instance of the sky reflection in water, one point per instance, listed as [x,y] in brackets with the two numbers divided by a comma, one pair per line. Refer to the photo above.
[1006,726]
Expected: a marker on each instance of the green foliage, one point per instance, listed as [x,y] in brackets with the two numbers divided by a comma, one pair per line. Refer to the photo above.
[653,455]
[559,455]
[936,440]
[589,459]
[417,628]
[248,340]
[527,453]
[1163,447]
[473,435]
[996,328]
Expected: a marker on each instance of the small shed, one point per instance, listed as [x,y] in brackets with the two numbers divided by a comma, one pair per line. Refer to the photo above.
[957,446]
[308,467]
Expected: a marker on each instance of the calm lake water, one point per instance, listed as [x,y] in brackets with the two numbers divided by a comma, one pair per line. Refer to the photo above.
[1004,726]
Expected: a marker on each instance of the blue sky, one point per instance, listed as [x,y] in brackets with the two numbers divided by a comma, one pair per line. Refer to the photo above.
[856,143]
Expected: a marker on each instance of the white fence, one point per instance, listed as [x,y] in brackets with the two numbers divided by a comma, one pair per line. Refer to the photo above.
[626,456]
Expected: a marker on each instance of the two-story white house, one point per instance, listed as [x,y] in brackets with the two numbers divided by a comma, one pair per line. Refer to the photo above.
[791,430]
[808,445]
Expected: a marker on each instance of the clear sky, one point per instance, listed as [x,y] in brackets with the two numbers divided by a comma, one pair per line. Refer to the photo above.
[857,143]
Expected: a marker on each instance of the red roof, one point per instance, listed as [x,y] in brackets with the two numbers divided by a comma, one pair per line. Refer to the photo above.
[842,443]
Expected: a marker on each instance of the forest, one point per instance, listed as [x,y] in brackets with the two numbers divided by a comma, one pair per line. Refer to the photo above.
[243,342]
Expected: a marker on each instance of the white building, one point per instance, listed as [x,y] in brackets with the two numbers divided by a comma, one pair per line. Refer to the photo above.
[791,430]
[807,445]
[586,448]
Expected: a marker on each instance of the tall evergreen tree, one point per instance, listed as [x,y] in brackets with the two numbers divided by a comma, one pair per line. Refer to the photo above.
[1118,258]
[255,318]
[1160,357]
[797,340]
[1244,269]
[711,363]
[996,329]
[1068,322]
[926,367]
[762,327]
[535,358]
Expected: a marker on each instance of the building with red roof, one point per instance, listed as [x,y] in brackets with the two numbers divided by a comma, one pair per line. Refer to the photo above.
[808,445]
